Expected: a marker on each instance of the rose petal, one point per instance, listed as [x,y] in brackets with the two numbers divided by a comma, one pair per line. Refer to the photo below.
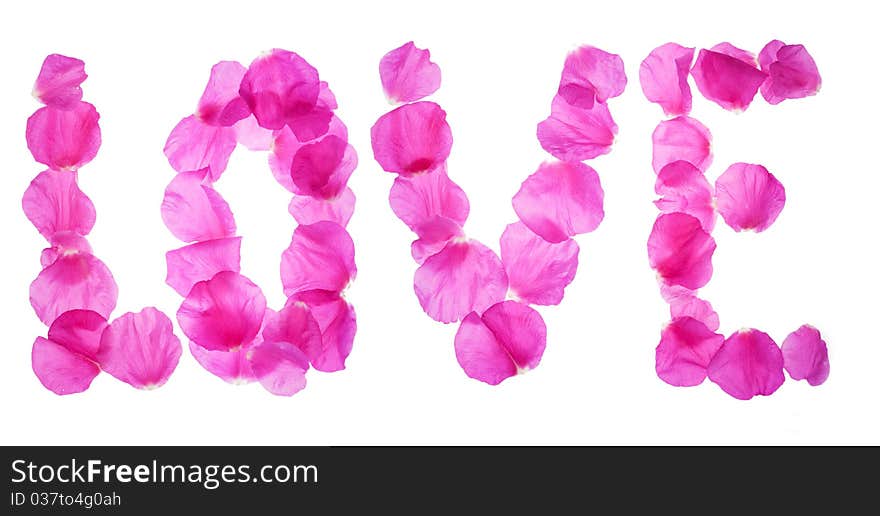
[664,78]
[79,331]
[280,87]
[685,350]
[749,197]
[73,281]
[140,349]
[249,133]
[53,203]
[806,355]
[230,366]
[729,81]
[195,145]
[560,200]
[792,73]
[682,138]
[681,251]
[197,262]
[408,74]
[411,139]
[435,234]
[728,49]
[309,210]
[220,103]
[58,84]
[64,243]
[337,323]
[60,370]
[194,211]
[320,257]
[322,169]
[64,139]
[293,324]
[417,200]
[748,364]
[689,305]
[573,133]
[285,145]
[589,75]
[538,270]
[280,367]
[684,189]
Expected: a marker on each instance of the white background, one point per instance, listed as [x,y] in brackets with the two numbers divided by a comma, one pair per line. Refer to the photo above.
[147,66]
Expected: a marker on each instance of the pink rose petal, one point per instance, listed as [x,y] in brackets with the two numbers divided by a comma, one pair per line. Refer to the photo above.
[683,188]
[538,270]
[728,49]
[682,138]
[464,277]
[748,364]
[295,324]
[664,78]
[681,251]
[58,84]
[805,355]
[249,133]
[285,145]
[507,340]
[560,200]
[309,210]
[591,75]
[749,197]
[685,350]
[408,74]
[64,139]
[195,145]
[197,262]
[53,203]
[322,169]
[79,331]
[220,103]
[62,244]
[689,305]
[727,78]
[230,366]
[320,257]
[792,73]
[140,349]
[60,370]
[279,366]
[573,133]
[435,234]
[222,313]
[77,280]
[194,211]
[417,200]
[411,139]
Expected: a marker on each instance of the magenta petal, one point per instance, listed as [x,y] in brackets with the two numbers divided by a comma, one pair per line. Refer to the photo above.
[664,78]
[682,138]
[418,199]
[60,370]
[320,257]
[280,87]
[408,74]
[293,324]
[560,200]
[279,366]
[749,197]
[140,349]
[73,281]
[589,75]
[194,211]
[58,84]
[285,145]
[435,234]
[681,251]
[806,355]
[689,305]
[79,331]
[792,72]
[197,262]
[195,145]
[507,340]
[230,366]
[538,270]
[338,324]
[309,210]
[53,203]
[684,189]
[748,364]
[464,277]
[322,169]
[220,103]
[249,133]
[726,76]
[572,133]
[64,243]
[685,350]
[411,139]
[223,313]
[64,139]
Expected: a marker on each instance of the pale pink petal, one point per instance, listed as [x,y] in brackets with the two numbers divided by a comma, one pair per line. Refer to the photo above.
[573,133]
[58,84]
[60,370]
[230,366]
[435,234]
[538,270]
[685,350]
[748,364]
[307,210]
[681,251]
[338,324]
[664,78]
[140,349]
[249,133]
[322,169]
[507,340]
[464,277]
[320,257]
[279,366]
[285,145]
[79,331]
[591,75]
[806,355]
[194,211]
[64,139]
[560,200]
[418,199]
[223,313]
[408,74]
[77,280]
[195,145]
[197,262]
[689,305]
[731,81]
[749,197]
[53,203]
[681,138]
[220,103]
[64,243]
[792,72]
[683,188]
[413,138]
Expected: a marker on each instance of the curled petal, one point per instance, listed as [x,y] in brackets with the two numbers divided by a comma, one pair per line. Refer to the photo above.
[689,305]
[220,103]
[285,145]
[249,133]
[337,323]
[572,133]
[140,349]
[727,76]
[64,139]
[749,197]
[411,139]
[309,210]
[320,257]
[435,234]
[591,75]
[222,313]
[805,355]
[53,203]
[538,270]
[560,200]
[194,211]
[684,189]
[60,370]
[197,262]
[408,74]
[322,169]
[748,364]
[58,84]
[279,366]
[280,87]
[464,277]
[792,73]
[507,340]
[682,138]
[417,200]
[73,281]
[230,366]
[664,78]
[685,350]
[681,251]
[62,244]
[195,145]
[79,331]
